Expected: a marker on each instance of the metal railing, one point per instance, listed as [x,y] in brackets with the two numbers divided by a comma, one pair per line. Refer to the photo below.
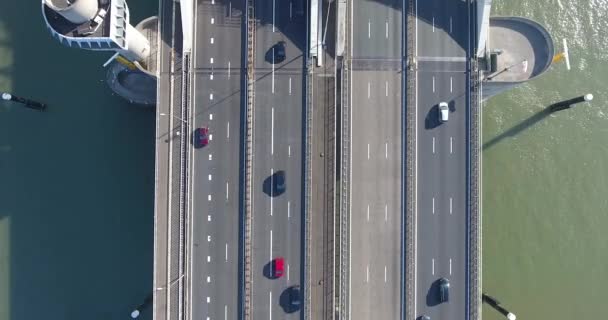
[344,213]
[410,164]
[474,196]
[248,272]
[307,191]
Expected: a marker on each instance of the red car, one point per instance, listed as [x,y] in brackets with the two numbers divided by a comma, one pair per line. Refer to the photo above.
[201,137]
[278,267]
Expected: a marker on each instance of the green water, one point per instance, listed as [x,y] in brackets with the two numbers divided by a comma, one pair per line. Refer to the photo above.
[545,190]
[76,182]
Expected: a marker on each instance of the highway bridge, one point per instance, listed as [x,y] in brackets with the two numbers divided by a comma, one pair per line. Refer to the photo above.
[404,212]
[327,185]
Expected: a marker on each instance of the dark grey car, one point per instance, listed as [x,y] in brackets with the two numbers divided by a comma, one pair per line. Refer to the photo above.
[444,290]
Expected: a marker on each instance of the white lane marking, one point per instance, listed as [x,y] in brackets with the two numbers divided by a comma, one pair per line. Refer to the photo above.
[227,192]
[368,212]
[211,76]
[210,156]
[386,212]
[386,88]
[289,85]
[273,66]
[228,130]
[208,217]
[273,15]
[208,197]
[211,116]
[290,10]
[433,84]
[451,87]
[270,305]
[211,40]
[433,144]
[272,131]
[211,96]
[289,151]
[226,251]
[369,89]
[208,279]
[208,299]
[369,28]
[433,24]
[450,266]
[225,312]
[211,60]
[208,238]
[288,272]
[386,150]
[433,205]
[384,273]
[271,193]
[451,139]
[212,21]
[208,258]
[210,177]
[367,274]
[288,210]
[386,30]
[368,151]
[450,205]
[228,69]
[433,267]
[210,137]
[270,259]
[450,24]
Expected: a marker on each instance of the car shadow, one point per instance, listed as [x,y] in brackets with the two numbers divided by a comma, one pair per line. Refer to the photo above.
[285,301]
[270,55]
[432,296]
[267,271]
[431,121]
[269,187]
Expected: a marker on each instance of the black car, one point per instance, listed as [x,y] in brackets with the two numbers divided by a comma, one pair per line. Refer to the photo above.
[444,290]
[294,296]
[424,317]
[279,182]
[279,52]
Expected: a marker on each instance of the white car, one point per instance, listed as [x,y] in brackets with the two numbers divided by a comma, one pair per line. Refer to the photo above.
[443,111]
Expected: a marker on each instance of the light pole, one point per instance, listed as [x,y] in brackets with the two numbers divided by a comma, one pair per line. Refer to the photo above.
[171,115]
[176,117]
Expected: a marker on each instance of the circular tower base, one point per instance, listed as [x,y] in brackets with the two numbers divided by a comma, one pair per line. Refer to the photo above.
[136,86]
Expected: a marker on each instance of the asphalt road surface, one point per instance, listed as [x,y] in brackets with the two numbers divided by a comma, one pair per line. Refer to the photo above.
[218,99]
[376,208]
[442,31]
[278,145]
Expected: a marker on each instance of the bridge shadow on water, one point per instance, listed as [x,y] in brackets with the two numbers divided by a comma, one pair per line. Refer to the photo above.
[519,128]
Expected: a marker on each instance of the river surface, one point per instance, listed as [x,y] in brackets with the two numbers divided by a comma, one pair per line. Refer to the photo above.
[545,190]
[76,182]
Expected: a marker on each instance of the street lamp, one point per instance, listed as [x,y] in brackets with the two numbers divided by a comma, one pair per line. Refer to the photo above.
[171,115]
